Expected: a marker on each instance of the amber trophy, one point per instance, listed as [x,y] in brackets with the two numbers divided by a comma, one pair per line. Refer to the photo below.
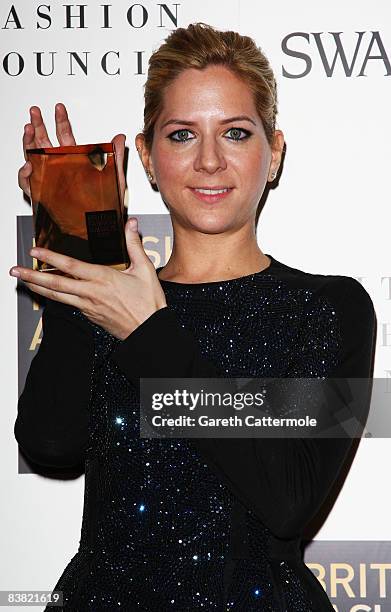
[76,203]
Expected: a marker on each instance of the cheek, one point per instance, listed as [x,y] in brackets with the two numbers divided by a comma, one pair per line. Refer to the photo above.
[171,170]
[170,166]
[260,159]
[251,169]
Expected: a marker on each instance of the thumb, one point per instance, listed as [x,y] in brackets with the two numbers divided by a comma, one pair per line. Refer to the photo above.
[133,242]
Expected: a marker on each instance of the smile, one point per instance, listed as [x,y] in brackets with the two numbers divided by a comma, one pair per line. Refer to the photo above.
[212,191]
[211,195]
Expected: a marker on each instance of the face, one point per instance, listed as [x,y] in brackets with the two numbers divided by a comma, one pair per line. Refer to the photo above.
[197,144]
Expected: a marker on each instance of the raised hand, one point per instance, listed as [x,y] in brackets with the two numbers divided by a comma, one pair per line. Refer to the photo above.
[117,300]
[35,136]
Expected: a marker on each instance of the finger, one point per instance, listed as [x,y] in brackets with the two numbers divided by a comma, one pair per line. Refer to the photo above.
[28,138]
[65,298]
[53,283]
[23,177]
[134,245]
[119,146]
[69,265]
[63,126]
[41,137]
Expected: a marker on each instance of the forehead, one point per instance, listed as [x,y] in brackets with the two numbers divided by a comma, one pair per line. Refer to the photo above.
[213,91]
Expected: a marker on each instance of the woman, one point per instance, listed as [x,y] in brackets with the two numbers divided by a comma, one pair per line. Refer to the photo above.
[191,524]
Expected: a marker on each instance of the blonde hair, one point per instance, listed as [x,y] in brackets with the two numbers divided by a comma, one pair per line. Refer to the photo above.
[198,46]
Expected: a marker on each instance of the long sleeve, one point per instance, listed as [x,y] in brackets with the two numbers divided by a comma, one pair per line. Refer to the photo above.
[52,422]
[286,480]
[161,348]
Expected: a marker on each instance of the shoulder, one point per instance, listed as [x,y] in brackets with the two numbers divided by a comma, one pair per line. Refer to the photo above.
[346,293]
[350,294]
[357,323]
[337,308]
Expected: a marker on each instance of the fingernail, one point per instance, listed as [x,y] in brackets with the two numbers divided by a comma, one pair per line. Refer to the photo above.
[34,251]
[14,272]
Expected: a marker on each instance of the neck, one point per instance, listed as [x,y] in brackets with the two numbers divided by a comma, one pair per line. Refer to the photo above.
[213,257]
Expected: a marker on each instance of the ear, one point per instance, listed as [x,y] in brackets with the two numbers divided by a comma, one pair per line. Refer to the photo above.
[277,148]
[143,153]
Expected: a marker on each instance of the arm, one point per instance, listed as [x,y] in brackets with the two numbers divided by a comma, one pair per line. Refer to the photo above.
[311,465]
[284,480]
[52,423]
[161,348]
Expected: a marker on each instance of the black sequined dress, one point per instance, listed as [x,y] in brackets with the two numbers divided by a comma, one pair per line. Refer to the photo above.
[184,524]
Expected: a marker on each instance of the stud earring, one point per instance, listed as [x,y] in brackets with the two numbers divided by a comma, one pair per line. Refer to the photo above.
[273,175]
[150,177]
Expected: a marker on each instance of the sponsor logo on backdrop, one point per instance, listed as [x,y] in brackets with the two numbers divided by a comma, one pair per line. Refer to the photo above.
[82,17]
[350,53]
[355,575]
[78,16]
[332,53]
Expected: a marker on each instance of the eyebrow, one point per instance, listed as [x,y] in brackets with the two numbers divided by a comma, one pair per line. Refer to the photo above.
[224,121]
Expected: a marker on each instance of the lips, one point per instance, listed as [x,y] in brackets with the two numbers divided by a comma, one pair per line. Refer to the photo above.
[211,198]
[210,187]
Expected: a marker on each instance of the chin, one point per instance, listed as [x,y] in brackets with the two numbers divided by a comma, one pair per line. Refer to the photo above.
[214,226]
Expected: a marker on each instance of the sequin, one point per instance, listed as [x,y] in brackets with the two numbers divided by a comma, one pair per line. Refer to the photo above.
[156,524]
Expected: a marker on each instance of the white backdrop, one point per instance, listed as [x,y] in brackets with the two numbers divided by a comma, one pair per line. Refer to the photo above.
[330,213]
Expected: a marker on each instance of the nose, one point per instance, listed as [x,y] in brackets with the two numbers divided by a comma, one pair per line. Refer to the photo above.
[209,156]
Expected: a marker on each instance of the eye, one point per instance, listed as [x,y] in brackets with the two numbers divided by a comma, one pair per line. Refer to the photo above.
[171,136]
[183,131]
[236,129]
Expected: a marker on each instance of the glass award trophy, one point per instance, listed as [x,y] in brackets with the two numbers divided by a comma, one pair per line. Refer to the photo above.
[77,209]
